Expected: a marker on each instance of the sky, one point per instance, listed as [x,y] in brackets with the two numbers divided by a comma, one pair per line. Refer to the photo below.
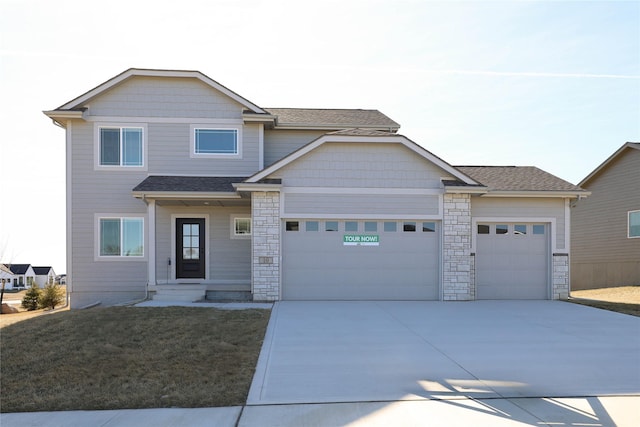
[552,84]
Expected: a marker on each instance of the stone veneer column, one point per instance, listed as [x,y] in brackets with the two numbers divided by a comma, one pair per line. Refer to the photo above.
[265,245]
[456,248]
[560,284]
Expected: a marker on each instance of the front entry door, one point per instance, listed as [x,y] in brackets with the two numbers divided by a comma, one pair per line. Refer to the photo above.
[190,248]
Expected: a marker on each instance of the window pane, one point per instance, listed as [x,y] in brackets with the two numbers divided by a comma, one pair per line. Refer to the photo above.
[391,227]
[311,226]
[110,147]
[292,226]
[132,147]
[483,229]
[109,237]
[351,226]
[331,226]
[502,229]
[519,229]
[538,229]
[370,226]
[216,141]
[132,237]
[243,226]
[428,227]
[634,224]
[409,226]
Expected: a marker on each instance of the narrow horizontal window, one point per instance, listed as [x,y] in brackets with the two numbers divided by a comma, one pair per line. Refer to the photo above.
[312,226]
[216,141]
[292,226]
[351,226]
[390,227]
[538,229]
[370,226]
[428,227]
[331,226]
[634,224]
[483,229]
[519,229]
[502,229]
[121,237]
[409,226]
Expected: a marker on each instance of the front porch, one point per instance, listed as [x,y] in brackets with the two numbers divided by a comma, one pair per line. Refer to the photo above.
[187,292]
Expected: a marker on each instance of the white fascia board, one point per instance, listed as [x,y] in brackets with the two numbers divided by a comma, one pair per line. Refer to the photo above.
[465,190]
[184,195]
[561,194]
[391,139]
[250,186]
[160,73]
[311,126]
[596,171]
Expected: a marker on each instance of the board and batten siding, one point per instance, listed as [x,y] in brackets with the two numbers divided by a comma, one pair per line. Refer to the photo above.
[281,143]
[527,208]
[602,253]
[172,97]
[228,261]
[361,165]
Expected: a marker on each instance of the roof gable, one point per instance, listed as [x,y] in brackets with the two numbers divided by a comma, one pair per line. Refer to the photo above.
[41,271]
[362,136]
[610,160]
[18,268]
[78,102]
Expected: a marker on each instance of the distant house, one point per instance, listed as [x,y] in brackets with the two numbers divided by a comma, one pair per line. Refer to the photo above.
[7,276]
[44,276]
[605,228]
[23,275]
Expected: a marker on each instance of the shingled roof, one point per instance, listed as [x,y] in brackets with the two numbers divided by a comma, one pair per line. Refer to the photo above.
[212,184]
[332,118]
[517,178]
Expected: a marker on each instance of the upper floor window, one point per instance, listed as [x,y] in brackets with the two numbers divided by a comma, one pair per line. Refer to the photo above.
[634,224]
[121,146]
[218,141]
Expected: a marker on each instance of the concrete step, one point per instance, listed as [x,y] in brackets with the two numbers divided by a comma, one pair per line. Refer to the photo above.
[225,295]
[186,293]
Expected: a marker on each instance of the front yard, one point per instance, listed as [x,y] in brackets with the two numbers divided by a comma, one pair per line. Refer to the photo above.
[130,357]
[623,299]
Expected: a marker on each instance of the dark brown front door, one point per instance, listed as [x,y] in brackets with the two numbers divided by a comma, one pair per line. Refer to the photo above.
[190,249]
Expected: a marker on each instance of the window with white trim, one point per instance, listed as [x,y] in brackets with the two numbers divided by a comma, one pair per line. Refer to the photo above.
[242,226]
[121,237]
[210,141]
[120,146]
[633,229]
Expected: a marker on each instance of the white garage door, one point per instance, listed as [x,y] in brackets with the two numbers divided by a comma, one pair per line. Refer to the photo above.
[360,260]
[512,261]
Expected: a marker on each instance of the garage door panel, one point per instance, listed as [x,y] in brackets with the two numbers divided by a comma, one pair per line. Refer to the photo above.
[318,265]
[512,265]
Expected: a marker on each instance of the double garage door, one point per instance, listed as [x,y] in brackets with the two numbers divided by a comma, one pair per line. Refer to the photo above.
[512,261]
[360,260]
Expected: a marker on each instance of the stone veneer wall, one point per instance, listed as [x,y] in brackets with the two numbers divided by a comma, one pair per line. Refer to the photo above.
[457,263]
[265,242]
[560,276]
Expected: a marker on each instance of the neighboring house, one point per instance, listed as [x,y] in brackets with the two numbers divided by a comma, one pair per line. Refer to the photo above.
[176,183]
[6,277]
[44,276]
[23,275]
[605,234]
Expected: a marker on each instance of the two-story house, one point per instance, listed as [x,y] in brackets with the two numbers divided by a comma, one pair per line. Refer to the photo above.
[175,182]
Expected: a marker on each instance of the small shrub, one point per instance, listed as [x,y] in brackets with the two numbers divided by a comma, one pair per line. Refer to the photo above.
[31,299]
[52,295]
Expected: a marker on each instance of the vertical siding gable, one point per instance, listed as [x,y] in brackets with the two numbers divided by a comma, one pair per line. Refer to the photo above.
[367,165]
[165,97]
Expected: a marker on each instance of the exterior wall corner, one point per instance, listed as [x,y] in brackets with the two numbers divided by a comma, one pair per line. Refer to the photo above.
[266,244]
[560,276]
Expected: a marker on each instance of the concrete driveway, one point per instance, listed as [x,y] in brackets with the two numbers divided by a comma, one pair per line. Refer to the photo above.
[317,352]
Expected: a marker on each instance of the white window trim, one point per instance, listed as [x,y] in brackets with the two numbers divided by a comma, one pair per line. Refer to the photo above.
[96,146]
[96,239]
[212,126]
[629,236]
[232,222]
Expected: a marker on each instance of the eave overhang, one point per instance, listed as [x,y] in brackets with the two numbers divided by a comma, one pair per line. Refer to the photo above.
[559,194]
[256,186]
[184,195]
[61,116]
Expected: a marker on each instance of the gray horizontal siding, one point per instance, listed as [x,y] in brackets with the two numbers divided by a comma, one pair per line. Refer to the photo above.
[165,97]
[513,207]
[361,165]
[360,204]
[280,143]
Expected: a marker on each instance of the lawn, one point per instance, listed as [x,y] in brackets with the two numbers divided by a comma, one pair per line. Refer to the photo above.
[623,299]
[130,357]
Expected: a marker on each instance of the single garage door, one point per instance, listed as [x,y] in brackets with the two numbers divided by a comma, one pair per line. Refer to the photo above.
[512,261]
[360,260]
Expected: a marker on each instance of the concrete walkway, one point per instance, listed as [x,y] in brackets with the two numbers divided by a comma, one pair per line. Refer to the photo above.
[483,363]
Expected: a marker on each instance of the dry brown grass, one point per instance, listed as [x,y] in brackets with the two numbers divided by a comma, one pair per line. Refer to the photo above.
[623,299]
[130,357]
